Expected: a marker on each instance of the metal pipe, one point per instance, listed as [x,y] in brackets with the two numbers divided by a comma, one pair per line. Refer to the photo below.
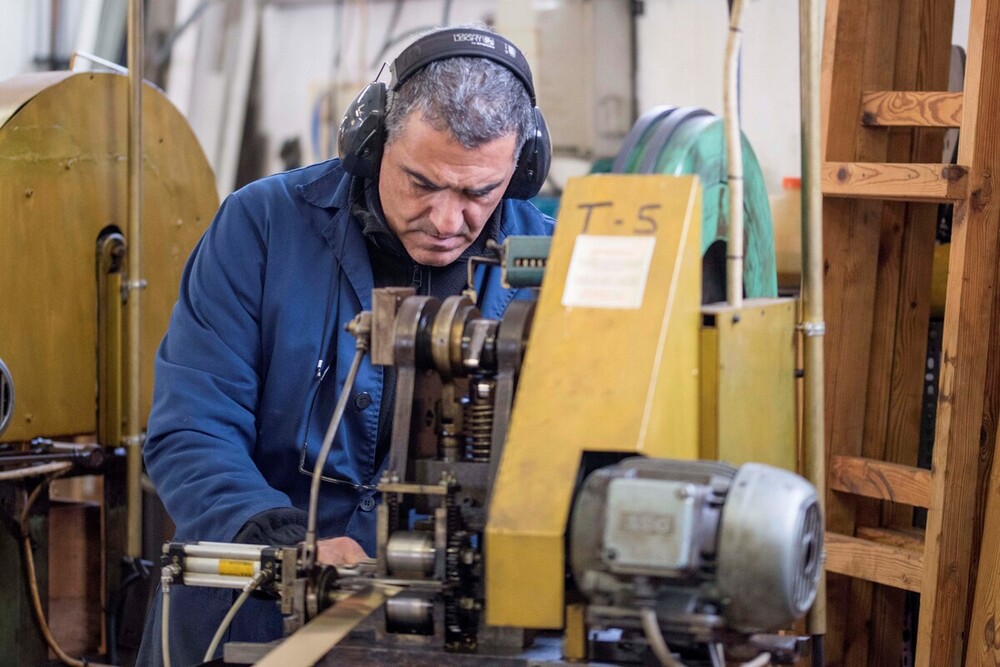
[813,326]
[224,551]
[734,155]
[215,581]
[198,565]
[35,471]
[133,438]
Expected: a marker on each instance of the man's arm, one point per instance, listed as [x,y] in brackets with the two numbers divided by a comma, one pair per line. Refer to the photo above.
[286,526]
[202,429]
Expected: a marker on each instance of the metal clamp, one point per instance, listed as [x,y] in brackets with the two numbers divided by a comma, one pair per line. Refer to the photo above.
[812,328]
[134,440]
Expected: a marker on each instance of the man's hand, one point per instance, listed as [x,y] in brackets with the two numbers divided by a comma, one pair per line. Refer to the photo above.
[340,551]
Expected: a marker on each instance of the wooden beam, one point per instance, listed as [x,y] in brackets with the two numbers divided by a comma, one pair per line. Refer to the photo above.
[895,181]
[911,109]
[911,539]
[871,561]
[859,48]
[881,480]
[969,399]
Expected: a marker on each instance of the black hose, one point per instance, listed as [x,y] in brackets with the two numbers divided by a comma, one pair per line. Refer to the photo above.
[817,651]
[116,605]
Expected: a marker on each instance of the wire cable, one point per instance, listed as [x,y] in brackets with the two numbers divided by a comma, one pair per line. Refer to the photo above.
[760,661]
[255,583]
[361,346]
[166,579]
[29,566]
[651,628]
[717,654]
[54,468]
[165,622]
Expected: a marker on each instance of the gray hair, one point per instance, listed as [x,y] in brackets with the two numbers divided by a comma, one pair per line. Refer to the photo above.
[475,99]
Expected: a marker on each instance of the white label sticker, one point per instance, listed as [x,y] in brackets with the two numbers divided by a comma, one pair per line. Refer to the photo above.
[608,271]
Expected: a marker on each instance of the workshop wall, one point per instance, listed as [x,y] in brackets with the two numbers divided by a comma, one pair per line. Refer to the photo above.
[313,55]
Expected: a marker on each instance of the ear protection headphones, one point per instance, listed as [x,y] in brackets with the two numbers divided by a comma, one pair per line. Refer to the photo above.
[363,133]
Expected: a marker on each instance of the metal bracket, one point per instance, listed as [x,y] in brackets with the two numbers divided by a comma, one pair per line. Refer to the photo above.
[812,328]
[134,440]
[130,285]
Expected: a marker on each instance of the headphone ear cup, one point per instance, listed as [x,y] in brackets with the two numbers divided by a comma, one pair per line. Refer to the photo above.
[362,132]
[533,163]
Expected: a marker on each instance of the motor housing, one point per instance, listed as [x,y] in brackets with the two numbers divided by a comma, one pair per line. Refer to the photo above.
[698,539]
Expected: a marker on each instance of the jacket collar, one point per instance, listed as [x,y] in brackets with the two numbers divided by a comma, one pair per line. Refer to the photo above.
[330,190]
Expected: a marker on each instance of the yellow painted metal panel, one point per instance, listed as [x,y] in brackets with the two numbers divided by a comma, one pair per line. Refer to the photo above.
[63,149]
[609,368]
[748,383]
[709,408]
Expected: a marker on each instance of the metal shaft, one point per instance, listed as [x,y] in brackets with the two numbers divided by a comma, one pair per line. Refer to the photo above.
[813,325]
[133,439]
[734,156]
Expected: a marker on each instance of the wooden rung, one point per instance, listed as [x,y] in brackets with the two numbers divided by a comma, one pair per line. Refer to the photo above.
[880,563]
[881,480]
[900,181]
[911,539]
[911,109]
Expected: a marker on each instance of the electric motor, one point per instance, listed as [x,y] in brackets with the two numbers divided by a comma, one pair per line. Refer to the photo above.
[699,537]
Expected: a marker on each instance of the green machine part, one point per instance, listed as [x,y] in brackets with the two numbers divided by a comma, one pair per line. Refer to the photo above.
[524,260]
[689,140]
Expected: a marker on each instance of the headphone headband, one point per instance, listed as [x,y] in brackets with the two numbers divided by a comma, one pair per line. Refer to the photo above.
[458,42]
[363,134]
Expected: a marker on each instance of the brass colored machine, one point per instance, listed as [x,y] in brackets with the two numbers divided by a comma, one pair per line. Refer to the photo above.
[64,284]
[544,498]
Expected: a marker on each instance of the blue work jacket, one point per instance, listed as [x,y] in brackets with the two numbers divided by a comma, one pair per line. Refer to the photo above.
[242,377]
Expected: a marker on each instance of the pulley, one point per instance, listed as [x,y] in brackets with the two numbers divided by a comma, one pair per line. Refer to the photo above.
[689,140]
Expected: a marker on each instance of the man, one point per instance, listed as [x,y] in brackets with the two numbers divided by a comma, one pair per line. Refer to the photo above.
[256,352]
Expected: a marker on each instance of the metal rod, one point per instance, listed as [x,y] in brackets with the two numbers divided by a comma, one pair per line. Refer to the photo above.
[324,452]
[224,551]
[111,274]
[813,325]
[215,580]
[133,438]
[734,155]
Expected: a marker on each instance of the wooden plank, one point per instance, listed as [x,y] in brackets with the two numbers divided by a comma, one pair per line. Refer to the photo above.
[966,396]
[871,561]
[911,109]
[881,480]
[984,637]
[923,68]
[973,334]
[859,51]
[911,539]
[895,181]
[867,599]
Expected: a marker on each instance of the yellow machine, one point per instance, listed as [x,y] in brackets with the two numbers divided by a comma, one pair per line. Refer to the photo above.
[546,470]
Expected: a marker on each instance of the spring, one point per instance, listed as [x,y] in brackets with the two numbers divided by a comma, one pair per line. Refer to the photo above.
[479,418]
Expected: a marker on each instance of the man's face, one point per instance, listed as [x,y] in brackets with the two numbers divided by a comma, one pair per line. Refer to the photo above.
[438,195]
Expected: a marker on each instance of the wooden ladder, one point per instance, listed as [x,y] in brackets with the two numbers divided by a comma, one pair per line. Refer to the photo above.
[885,67]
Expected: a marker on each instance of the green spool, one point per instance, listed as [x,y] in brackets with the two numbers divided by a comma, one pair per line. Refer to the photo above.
[697,145]
[636,142]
